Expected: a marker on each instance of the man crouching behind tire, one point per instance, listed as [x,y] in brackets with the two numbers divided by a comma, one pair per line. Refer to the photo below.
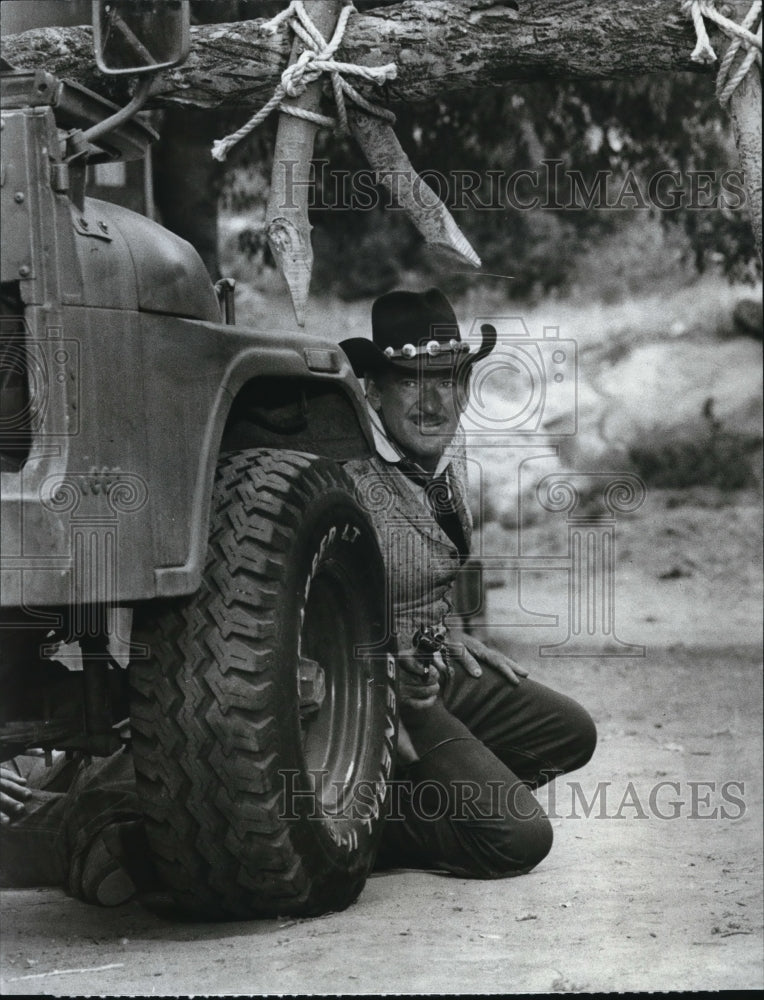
[476,733]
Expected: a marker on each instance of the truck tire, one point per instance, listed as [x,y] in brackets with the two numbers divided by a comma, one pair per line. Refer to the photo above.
[263,738]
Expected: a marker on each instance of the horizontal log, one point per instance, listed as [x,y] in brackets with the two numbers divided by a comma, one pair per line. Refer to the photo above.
[439,46]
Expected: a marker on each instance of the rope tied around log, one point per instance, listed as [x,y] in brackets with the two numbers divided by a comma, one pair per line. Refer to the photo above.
[744,36]
[317,58]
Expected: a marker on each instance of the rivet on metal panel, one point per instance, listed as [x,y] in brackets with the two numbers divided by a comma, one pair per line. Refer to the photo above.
[19,197]
[24,271]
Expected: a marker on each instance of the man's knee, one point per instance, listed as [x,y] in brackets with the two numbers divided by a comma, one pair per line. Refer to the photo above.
[577,742]
[507,848]
[585,741]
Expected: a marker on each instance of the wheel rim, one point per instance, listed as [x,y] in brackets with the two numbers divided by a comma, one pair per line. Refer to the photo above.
[334,732]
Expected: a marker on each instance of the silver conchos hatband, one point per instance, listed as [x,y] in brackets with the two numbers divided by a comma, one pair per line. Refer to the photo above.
[431,349]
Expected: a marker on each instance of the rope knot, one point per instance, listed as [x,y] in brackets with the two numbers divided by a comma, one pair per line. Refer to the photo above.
[317,58]
[295,78]
[742,37]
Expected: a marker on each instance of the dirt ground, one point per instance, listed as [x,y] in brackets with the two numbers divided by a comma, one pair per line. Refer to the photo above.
[659,887]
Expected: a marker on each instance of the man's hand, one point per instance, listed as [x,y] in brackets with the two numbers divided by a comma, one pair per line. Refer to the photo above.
[13,794]
[468,650]
[419,682]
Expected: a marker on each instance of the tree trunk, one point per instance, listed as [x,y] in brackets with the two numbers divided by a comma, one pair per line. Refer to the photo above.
[287,226]
[745,112]
[187,181]
[438,46]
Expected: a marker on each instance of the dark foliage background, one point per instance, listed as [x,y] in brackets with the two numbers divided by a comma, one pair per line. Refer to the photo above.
[629,129]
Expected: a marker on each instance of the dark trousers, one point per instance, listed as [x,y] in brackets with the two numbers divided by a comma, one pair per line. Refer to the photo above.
[466,806]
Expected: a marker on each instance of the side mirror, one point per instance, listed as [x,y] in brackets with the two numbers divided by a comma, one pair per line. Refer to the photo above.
[140,36]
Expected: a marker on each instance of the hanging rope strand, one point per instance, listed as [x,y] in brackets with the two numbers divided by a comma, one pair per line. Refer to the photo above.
[745,39]
[727,81]
[315,60]
[703,51]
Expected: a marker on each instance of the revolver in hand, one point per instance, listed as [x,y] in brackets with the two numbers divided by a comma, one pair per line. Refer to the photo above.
[427,642]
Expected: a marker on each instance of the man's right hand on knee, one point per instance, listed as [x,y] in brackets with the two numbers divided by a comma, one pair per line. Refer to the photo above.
[13,794]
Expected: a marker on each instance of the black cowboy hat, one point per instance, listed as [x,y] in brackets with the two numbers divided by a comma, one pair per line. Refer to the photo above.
[414,331]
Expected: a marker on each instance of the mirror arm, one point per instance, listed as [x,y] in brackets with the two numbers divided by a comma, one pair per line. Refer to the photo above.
[131,38]
[124,114]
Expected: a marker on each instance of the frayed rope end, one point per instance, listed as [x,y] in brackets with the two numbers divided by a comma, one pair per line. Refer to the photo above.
[703,53]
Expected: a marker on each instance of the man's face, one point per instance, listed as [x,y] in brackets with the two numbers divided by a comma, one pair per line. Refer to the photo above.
[420,411]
